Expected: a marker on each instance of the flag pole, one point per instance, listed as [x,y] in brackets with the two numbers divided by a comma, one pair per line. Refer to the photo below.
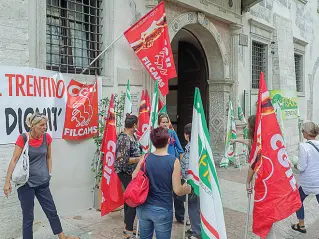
[95,59]
[95,180]
[247,216]
[185,216]
[137,228]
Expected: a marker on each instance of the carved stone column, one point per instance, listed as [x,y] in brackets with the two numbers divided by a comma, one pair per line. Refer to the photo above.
[219,92]
[234,63]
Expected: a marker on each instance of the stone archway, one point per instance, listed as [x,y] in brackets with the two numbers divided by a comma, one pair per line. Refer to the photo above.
[218,71]
[190,18]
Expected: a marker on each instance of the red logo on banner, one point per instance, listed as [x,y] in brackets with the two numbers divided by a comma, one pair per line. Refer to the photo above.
[276,191]
[112,193]
[150,40]
[81,115]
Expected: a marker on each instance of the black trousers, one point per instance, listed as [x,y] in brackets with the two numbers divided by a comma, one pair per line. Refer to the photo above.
[26,196]
[129,212]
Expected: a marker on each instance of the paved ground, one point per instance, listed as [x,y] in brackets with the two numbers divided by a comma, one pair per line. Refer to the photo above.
[88,224]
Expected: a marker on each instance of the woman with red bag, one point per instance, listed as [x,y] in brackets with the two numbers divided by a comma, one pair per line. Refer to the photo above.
[164,173]
[128,154]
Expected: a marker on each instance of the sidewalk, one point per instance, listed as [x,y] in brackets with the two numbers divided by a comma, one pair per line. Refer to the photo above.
[89,225]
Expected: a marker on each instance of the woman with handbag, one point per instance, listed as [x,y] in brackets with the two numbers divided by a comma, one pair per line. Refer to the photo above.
[163,171]
[128,153]
[40,168]
[308,166]
[175,149]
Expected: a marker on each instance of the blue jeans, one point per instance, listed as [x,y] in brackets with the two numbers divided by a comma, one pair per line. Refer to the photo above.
[26,196]
[301,212]
[153,217]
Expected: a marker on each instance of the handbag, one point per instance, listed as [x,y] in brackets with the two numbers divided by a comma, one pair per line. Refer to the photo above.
[20,174]
[137,190]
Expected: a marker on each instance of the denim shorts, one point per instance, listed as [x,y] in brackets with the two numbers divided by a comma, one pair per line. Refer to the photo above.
[156,218]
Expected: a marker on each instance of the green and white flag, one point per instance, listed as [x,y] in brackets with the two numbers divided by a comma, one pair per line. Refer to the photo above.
[127,103]
[242,118]
[202,175]
[229,154]
[154,114]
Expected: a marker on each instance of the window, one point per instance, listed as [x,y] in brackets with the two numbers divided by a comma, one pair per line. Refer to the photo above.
[259,62]
[299,70]
[73,35]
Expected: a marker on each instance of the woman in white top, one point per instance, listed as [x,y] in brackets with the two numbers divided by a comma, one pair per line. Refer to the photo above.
[309,170]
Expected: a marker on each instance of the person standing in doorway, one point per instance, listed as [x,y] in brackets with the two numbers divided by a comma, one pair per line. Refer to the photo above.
[40,169]
[175,149]
[193,199]
[308,166]
[128,154]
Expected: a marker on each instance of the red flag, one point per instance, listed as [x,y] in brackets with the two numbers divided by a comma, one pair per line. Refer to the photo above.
[143,116]
[148,102]
[276,191]
[160,105]
[111,187]
[150,40]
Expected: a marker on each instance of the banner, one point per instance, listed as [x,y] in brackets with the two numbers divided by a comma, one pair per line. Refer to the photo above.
[150,41]
[71,107]
[275,183]
[111,187]
[287,102]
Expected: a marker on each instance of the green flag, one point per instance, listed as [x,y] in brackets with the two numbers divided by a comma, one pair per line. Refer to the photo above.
[202,175]
[154,113]
[229,154]
[127,103]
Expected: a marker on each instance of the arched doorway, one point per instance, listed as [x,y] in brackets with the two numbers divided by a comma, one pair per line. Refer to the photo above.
[192,71]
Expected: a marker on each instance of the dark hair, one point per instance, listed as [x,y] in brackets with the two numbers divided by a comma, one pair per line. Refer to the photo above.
[161,116]
[251,127]
[130,120]
[188,130]
[159,137]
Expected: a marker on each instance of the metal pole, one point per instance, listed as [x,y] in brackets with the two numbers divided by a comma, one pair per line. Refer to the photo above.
[247,216]
[95,59]
[137,228]
[185,216]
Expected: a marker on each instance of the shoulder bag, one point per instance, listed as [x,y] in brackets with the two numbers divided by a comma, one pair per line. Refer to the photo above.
[20,174]
[137,190]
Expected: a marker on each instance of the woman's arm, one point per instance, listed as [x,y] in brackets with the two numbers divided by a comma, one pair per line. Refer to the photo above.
[178,188]
[138,167]
[250,175]
[49,159]
[178,145]
[303,159]
[16,155]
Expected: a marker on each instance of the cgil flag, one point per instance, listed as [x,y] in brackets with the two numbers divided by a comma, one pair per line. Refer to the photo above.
[111,187]
[150,41]
[127,103]
[229,153]
[202,175]
[276,192]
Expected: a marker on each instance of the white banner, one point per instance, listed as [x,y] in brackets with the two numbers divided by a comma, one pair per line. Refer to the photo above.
[26,90]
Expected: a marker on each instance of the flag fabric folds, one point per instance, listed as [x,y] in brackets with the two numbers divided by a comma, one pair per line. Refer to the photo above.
[202,175]
[276,192]
[111,187]
[231,133]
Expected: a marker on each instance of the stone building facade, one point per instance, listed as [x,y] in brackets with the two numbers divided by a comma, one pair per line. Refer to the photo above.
[218,45]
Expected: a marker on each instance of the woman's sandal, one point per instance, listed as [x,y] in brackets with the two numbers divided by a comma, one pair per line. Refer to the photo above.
[298,228]
[134,232]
